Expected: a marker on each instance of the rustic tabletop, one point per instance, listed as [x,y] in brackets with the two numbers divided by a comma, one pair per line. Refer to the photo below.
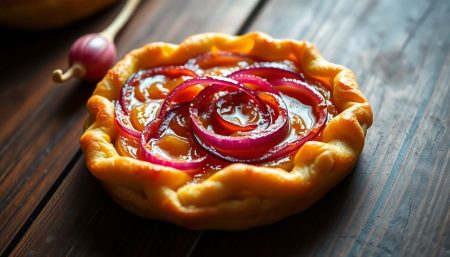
[395,203]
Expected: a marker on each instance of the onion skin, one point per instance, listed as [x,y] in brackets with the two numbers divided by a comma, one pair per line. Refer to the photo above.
[95,53]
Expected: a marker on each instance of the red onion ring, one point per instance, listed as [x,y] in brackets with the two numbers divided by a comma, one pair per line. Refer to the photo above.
[124,123]
[309,93]
[286,147]
[226,125]
[123,107]
[272,131]
[154,130]
[268,73]
[170,101]
[268,136]
[128,88]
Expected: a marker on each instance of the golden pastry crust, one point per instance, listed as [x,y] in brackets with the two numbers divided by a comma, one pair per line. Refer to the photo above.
[240,195]
[42,14]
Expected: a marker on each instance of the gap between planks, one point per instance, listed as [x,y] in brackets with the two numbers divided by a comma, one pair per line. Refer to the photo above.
[42,204]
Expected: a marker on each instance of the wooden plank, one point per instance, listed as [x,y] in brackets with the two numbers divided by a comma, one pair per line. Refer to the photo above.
[41,122]
[28,57]
[397,201]
[82,220]
[27,183]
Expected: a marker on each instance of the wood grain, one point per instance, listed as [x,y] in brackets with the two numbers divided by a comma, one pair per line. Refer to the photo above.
[82,220]
[49,138]
[395,203]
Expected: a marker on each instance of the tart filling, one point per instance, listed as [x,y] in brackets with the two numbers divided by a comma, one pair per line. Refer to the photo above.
[220,108]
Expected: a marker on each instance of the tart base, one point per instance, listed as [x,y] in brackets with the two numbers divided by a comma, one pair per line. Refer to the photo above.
[238,196]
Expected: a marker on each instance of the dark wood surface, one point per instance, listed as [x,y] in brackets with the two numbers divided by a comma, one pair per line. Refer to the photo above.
[395,203]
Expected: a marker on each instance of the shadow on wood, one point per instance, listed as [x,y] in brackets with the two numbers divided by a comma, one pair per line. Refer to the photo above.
[304,230]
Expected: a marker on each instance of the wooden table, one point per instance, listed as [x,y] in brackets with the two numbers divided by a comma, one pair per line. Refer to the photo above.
[395,203]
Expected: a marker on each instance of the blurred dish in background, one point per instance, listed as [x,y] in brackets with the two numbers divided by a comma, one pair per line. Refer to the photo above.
[45,14]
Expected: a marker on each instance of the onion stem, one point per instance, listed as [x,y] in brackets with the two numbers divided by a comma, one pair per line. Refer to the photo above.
[76,70]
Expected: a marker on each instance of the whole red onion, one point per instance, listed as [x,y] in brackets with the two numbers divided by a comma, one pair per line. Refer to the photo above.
[92,55]
[95,53]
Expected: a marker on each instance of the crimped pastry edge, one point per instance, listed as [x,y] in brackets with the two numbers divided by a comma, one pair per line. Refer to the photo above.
[240,195]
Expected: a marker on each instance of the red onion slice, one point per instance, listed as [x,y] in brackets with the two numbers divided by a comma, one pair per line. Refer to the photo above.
[154,130]
[307,94]
[124,123]
[265,136]
[170,101]
[256,83]
[128,88]
[267,73]
[316,100]
[226,125]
